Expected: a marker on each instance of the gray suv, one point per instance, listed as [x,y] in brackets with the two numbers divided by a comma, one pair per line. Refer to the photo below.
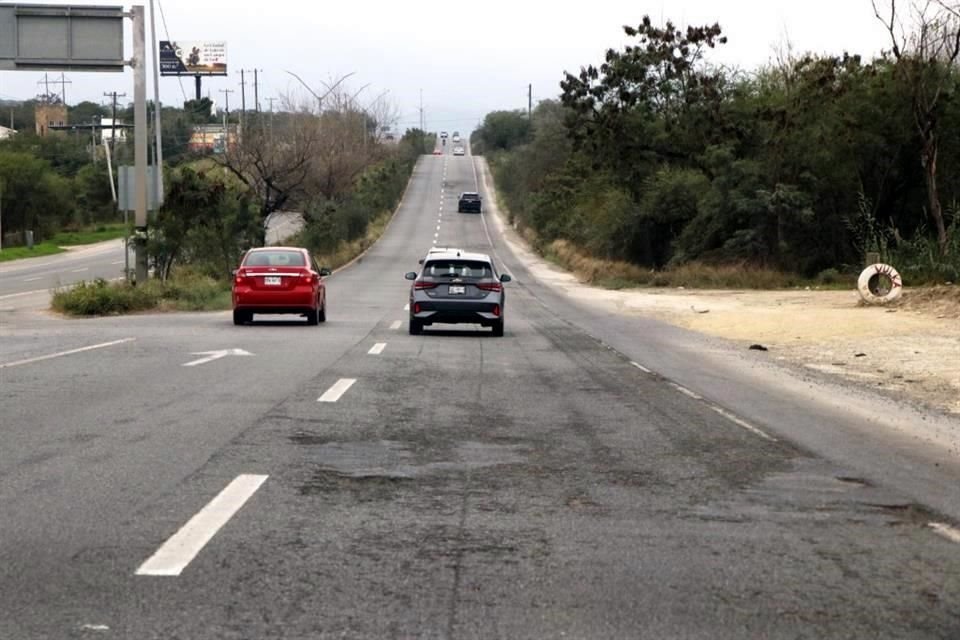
[457,287]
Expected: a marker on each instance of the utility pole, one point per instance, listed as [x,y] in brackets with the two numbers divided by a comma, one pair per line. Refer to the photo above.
[529,101]
[256,92]
[113,127]
[63,88]
[140,140]
[422,132]
[226,118]
[226,100]
[243,96]
[157,109]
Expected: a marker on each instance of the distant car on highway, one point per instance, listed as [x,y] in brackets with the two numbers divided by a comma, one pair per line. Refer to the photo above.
[456,136]
[458,151]
[469,202]
[443,134]
[457,287]
[437,152]
[279,280]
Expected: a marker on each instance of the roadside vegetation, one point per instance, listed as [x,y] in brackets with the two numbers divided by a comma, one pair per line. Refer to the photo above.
[334,167]
[661,168]
[184,291]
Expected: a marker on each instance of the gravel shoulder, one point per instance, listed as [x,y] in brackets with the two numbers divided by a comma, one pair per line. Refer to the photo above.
[909,351]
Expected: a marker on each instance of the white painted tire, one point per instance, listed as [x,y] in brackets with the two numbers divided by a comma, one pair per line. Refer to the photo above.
[868,281]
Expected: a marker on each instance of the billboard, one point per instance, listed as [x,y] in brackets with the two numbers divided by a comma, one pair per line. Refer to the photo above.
[193,58]
[61,37]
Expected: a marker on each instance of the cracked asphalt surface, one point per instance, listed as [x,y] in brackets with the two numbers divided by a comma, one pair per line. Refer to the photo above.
[537,485]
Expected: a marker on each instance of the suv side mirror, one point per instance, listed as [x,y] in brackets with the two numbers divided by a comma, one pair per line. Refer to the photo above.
[505,277]
[324,271]
[410,275]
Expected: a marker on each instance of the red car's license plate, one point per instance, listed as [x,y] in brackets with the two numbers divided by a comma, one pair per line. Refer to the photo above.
[272,280]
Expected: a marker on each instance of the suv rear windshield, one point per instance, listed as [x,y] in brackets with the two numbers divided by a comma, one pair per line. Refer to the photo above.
[458,269]
[275,259]
[470,195]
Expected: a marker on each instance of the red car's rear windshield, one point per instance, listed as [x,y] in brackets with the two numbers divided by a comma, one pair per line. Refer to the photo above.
[278,258]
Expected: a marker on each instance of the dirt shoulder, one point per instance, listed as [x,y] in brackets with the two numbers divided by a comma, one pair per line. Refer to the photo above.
[912,349]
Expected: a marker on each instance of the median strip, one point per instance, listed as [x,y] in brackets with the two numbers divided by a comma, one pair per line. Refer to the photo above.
[183,546]
[337,390]
[60,354]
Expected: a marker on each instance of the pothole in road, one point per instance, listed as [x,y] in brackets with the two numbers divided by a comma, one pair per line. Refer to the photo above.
[389,464]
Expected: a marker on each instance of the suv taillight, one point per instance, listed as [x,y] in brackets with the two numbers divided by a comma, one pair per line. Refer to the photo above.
[420,284]
[489,286]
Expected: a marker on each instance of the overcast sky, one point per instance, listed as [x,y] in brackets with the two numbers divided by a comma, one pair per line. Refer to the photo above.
[468,58]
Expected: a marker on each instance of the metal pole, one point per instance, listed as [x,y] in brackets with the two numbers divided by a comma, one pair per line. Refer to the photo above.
[1,213]
[243,97]
[198,86]
[140,139]
[158,108]
[256,92]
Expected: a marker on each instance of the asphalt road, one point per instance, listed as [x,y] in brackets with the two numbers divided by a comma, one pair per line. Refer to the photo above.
[103,260]
[452,485]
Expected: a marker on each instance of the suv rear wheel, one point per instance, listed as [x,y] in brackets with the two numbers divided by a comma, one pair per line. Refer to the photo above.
[416,327]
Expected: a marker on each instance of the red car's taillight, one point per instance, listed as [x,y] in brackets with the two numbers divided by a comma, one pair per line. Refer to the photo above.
[241,277]
[420,284]
[489,286]
[307,277]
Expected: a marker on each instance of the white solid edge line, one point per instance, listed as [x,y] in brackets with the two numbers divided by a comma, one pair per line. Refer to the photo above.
[33,279]
[65,353]
[641,367]
[335,392]
[24,293]
[377,349]
[182,547]
[406,307]
[396,325]
[945,530]
[685,391]
[80,270]
[741,423]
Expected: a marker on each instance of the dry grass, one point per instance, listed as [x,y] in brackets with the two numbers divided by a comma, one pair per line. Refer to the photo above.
[941,301]
[348,251]
[617,274]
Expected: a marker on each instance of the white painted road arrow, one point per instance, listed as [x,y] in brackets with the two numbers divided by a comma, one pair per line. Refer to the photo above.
[216,355]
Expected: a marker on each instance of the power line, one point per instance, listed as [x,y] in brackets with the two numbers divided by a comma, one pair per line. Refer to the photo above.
[163,18]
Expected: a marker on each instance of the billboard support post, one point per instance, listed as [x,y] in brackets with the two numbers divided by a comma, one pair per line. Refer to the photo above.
[140,139]
[199,80]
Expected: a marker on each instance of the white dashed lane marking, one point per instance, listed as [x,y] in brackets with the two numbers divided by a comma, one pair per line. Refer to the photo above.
[335,392]
[377,349]
[945,530]
[396,325]
[182,547]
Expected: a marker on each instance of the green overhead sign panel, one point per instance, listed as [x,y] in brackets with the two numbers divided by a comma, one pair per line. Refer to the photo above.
[61,37]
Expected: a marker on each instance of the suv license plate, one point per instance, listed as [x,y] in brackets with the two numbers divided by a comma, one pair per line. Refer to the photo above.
[457,290]
[272,280]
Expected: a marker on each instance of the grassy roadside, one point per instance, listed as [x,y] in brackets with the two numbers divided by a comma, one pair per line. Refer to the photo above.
[56,244]
[185,291]
[619,274]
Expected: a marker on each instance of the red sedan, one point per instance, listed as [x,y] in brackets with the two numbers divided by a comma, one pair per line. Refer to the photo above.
[279,280]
